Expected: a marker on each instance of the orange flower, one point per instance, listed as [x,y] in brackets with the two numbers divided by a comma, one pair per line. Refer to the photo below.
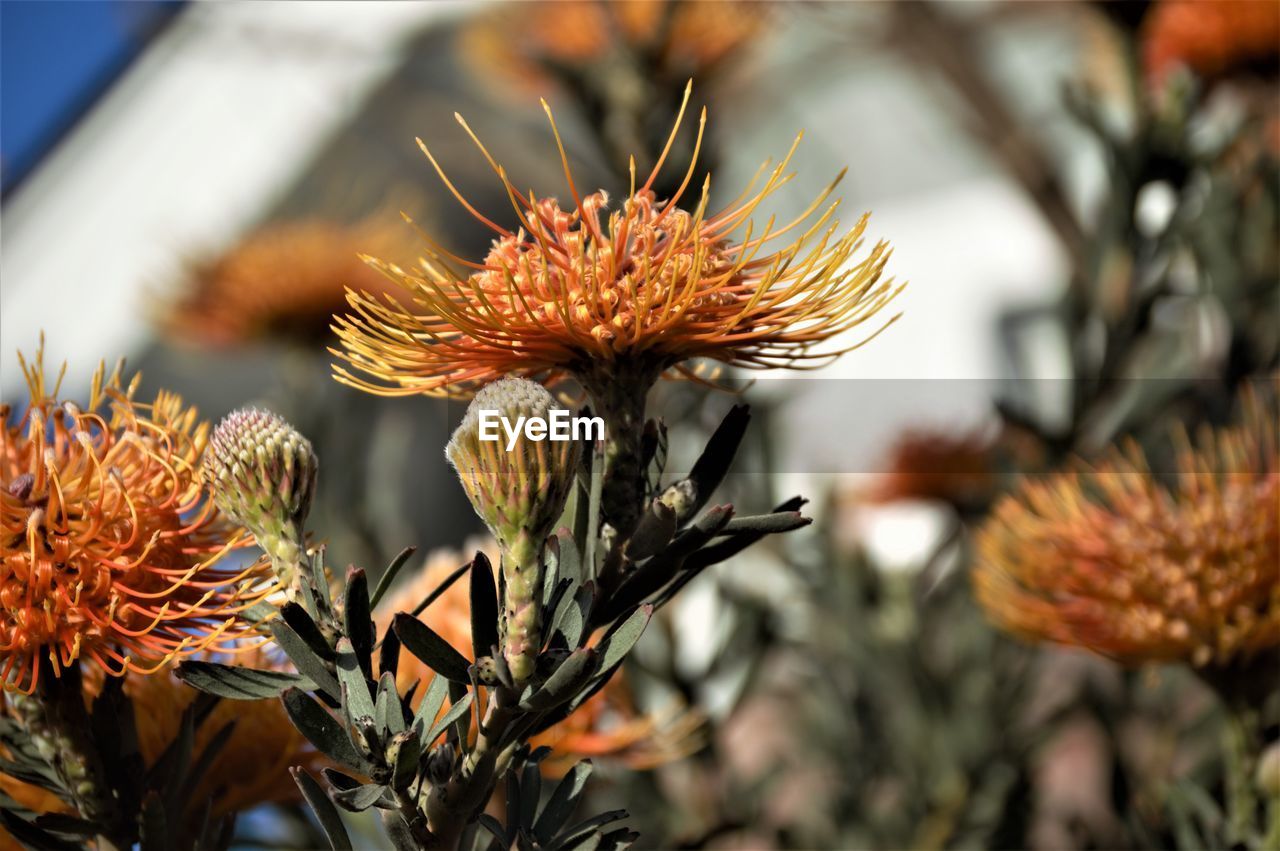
[1109,559]
[1208,36]
[526,42]
[608,725]
[601,293]
[284,280]
[109,547]
[939,465]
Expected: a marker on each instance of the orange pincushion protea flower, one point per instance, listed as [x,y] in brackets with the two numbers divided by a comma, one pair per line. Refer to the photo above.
[599,293]
[284,280]
[1208,36]
[1109,559]
[110,551]
[608,725]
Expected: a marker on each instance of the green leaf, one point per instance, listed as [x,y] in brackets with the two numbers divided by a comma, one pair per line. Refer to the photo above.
[359,620]
[455,712]
[387,711]
[389,653]
[357,702]
[432,700]
[572,622]
[564,682]
[568,557]
[306,661]
[484,607]
[361,798]
[712,466]
[564,800]
[407,759]
[574,836]
[303,624]
[322,729]
[326,813]
[619,640]
[236,683]
[389,575]
[768,524]
[420,640]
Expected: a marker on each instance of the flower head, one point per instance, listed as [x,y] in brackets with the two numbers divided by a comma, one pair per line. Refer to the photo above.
[596,289]
[284,280]
[262,473]
[110,551]
[610,724]
[519,491]
[1110,559]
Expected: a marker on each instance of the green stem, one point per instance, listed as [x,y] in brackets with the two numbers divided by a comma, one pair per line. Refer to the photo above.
[619,394]
[522,573]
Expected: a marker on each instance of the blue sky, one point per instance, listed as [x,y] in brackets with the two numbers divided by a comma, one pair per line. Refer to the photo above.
[56,58]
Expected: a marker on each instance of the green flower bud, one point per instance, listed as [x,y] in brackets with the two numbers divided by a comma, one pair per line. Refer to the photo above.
[519,487]
[263,475]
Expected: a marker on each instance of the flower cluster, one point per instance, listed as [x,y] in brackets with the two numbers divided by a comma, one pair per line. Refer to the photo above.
[1110,559]
[591,290]
[111,553]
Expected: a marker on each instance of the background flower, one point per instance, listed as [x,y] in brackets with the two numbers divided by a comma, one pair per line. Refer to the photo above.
[1111,559]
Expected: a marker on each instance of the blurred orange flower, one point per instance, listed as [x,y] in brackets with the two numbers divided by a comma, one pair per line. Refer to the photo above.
[1208,36]
[1110,559]
[529,41]
[958,469]
[284,280]
[610,724]
[110,549]
[598,293]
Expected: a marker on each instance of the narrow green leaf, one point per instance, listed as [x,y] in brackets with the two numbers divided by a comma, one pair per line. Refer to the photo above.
[305,626]
[420,640]
[307,663]
[398,831]
[389,575]
[563,801]
[484,607]
[619,640]
[388,714]
[326,813]
[355,688]
[361,798]
[563,682]
[322,729]
[456,711]
[236,683]
[432,700]
[359,620]
[768,524]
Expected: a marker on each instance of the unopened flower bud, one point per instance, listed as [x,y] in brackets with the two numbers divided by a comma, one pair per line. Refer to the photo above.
[519,486]
[262,472]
